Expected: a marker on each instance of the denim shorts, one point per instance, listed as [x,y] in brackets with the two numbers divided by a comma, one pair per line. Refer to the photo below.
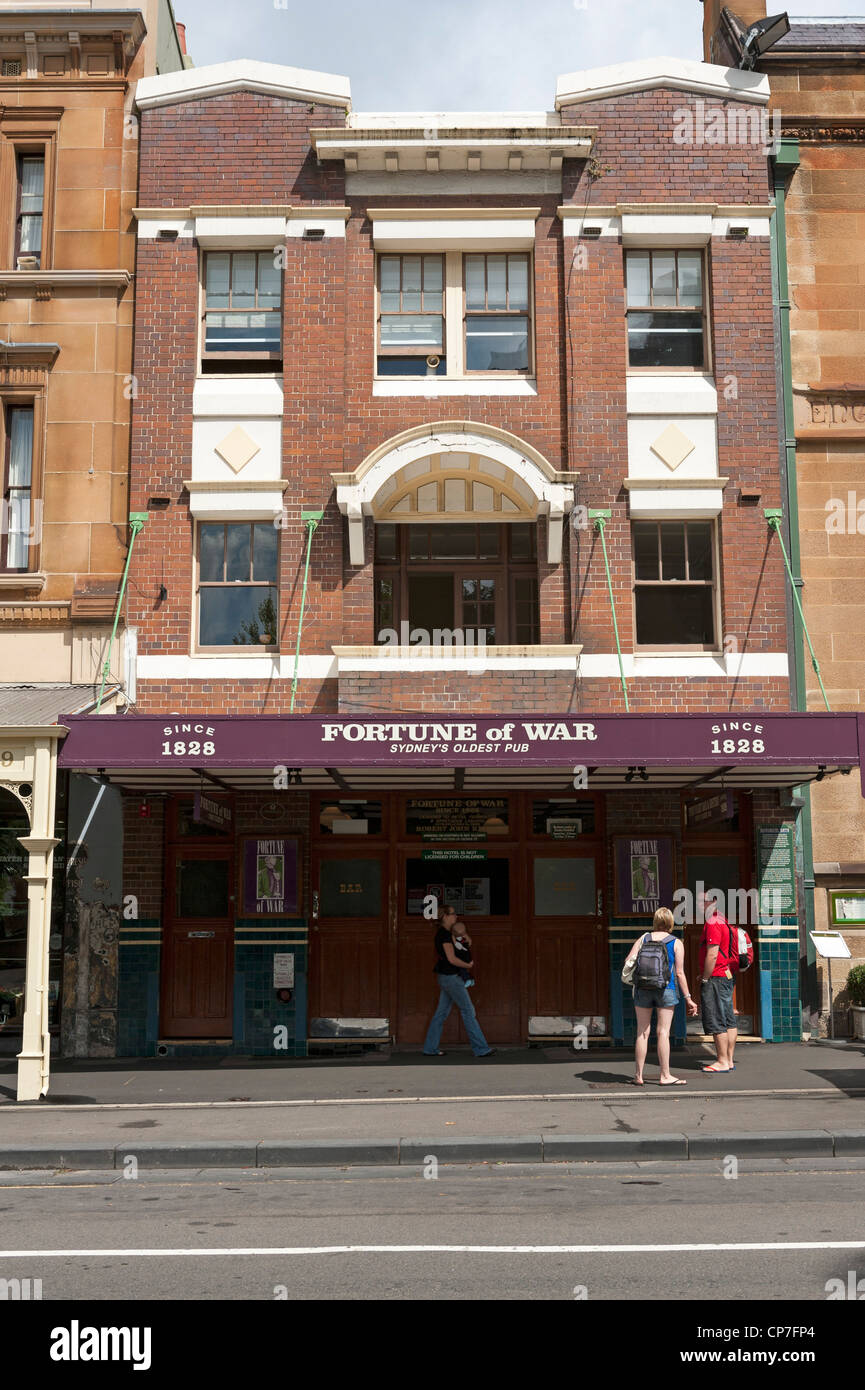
[656,998]
[716,1005]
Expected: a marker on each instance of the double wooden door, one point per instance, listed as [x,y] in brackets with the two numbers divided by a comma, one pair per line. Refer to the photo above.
[535,917]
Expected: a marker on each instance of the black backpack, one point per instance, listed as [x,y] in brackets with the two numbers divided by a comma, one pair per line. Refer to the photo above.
[652,969]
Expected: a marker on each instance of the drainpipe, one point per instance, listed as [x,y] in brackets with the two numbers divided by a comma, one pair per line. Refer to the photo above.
[310,520]
[600,516]
[785,162]
[136,523]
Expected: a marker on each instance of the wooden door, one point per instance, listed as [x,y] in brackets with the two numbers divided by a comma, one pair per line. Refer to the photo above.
[568,953]
[349,941]
[490,911]
[198,943]
[729,870]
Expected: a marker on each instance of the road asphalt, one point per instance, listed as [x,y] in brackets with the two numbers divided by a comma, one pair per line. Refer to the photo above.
[572,1233]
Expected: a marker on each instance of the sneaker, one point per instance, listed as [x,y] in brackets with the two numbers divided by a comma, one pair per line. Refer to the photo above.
[482,1055]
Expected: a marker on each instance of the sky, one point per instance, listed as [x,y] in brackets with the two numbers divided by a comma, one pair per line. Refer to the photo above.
[454,55]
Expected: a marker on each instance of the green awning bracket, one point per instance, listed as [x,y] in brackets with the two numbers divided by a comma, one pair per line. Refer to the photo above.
[136,524]
[310,519]
[775,516]
[600,516]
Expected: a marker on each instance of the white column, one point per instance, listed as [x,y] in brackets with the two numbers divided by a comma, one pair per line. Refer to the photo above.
[33,1059]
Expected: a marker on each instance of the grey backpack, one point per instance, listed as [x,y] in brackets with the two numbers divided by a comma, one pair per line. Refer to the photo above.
[652,970]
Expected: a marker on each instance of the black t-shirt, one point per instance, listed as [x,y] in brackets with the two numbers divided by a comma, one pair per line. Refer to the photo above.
[443,965]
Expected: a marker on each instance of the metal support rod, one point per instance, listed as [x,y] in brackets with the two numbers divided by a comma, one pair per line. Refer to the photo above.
[774,519]
[310,520]
[136,524]
[600,518]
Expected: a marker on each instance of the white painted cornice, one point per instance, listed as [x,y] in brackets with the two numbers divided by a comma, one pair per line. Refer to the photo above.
[681,74]
[243,75]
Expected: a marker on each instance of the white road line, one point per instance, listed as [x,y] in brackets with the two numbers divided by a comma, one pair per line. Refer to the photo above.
[633,1093]
[433,1250]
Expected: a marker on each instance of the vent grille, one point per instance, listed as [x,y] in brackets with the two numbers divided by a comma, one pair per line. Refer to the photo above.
[11,67]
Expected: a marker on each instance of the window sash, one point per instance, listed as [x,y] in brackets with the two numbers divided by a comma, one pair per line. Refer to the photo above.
[31,205]
[18,487]
[512,608]
[665,296]
[650,268]
[473,308]
[242,304]
[678,585]
[411,305]
[244,561]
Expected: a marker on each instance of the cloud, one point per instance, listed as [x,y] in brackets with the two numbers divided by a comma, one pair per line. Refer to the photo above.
[454,55]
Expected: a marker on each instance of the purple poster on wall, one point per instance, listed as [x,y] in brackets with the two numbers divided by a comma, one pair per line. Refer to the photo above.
[644,875]
[270,877]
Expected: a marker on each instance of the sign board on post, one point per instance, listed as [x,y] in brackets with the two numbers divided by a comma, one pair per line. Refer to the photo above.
[830,945]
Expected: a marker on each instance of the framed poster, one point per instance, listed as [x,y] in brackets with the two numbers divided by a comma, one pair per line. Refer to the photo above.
[270,885]
[847,907]
[644,875]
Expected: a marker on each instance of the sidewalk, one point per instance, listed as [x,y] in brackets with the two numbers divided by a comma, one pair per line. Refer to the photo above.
[782,1101]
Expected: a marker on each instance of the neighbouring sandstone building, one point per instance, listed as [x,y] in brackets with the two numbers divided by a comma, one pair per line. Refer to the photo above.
[68,182]
[817,80]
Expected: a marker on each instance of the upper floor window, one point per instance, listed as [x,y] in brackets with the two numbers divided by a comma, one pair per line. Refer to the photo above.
[17,488]
[30,206]
[675,599]
[454,315]
[497,313]
[238,594]
[469,583]
[666,309]
[411,315]
[242,310]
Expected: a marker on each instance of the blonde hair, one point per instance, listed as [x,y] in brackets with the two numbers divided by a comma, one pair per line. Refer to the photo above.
[663,920]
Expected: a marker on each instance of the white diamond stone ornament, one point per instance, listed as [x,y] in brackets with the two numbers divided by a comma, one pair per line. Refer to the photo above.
[238,449]
[673,447]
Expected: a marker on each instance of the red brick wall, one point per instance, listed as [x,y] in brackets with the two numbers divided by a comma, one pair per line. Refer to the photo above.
[243,147]
[255,149]
[142,853]
[459,690]
[640,160]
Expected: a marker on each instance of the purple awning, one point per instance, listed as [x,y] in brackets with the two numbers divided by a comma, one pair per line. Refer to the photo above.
[225,742]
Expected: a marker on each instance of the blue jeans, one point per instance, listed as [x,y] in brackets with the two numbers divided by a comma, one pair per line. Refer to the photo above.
[453,991]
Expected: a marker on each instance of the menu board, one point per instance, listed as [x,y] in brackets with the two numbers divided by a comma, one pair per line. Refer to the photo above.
[457,818]
[776,851]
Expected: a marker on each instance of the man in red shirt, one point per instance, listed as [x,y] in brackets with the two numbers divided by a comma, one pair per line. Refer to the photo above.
[716,979]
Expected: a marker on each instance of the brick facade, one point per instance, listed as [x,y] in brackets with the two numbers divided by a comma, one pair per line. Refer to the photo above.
[210,154]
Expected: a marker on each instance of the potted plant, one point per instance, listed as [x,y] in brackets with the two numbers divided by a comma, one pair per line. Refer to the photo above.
[856,991]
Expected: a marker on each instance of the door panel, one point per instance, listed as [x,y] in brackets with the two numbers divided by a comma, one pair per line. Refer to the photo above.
[348,963]
[490,889]
[496,996]
[567,935]
[728,871]
[198,964]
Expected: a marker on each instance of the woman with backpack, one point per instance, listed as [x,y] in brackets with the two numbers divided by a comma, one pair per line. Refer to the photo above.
[655,968]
